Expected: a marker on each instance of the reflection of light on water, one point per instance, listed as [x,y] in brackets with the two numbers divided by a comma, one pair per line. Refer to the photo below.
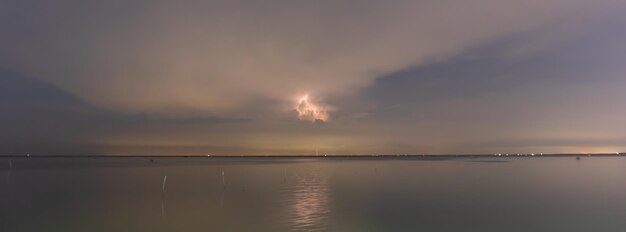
[309,205]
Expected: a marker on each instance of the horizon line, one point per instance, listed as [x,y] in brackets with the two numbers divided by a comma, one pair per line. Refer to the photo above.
[324,155]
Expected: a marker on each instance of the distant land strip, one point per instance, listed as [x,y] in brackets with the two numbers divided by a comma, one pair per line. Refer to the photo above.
[397,156]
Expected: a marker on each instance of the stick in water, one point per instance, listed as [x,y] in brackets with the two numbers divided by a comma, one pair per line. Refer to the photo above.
[223,180]
[162,207]
[10,164]
[164,180]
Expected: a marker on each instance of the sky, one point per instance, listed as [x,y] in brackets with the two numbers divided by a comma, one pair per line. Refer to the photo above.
[191,77]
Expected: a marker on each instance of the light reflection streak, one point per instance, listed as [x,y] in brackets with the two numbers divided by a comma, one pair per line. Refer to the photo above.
[309,206]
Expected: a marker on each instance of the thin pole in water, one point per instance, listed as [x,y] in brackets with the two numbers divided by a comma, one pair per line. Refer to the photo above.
[223,179]
[10,164]
[163,197]
[164,181]
[163,207]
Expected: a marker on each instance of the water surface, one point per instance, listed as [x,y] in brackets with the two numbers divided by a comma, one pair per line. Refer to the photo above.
[290,194]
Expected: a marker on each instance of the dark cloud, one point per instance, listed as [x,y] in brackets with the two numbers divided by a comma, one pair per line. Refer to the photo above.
[215,56]
[39,118]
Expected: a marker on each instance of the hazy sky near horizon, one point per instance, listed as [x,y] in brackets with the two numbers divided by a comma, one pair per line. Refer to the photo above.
[227,77]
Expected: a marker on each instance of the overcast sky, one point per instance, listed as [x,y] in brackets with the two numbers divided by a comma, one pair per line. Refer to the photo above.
[289,77]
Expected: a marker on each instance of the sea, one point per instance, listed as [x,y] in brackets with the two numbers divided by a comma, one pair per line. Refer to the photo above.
[276,194]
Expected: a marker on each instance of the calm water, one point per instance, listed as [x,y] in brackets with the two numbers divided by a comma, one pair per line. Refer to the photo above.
[472,194]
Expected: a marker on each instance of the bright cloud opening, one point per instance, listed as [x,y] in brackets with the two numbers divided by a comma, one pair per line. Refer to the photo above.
[312,111]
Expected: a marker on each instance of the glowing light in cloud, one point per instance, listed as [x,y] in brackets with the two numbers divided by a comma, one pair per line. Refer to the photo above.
[311,111]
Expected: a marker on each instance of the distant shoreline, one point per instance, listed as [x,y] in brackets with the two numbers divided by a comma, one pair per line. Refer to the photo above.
[425,156]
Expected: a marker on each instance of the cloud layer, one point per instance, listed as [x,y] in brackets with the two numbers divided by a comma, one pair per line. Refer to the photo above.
[227,77]
[217,56]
